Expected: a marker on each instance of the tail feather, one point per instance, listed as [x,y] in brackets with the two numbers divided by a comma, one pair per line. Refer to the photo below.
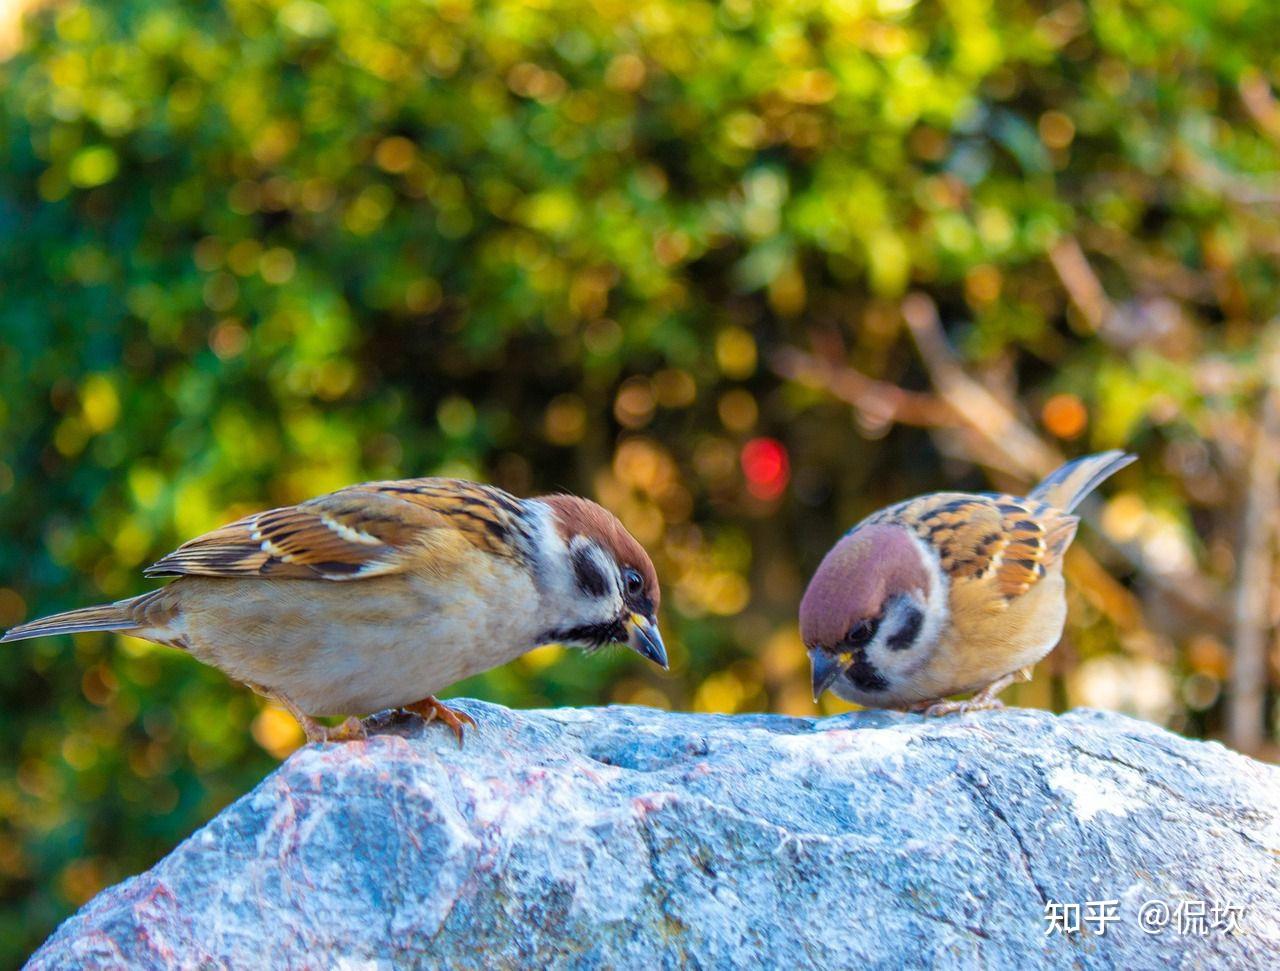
[122,615]
[1067,486]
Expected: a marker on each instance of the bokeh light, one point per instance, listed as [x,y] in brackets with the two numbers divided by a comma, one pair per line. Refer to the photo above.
[767,468]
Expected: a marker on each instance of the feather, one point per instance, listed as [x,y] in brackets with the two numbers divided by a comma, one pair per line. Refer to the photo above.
[1005,540]
[368,530]
[124,615]
[1066,487]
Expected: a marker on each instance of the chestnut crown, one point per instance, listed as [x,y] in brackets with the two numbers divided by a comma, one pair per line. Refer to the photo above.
[868,567]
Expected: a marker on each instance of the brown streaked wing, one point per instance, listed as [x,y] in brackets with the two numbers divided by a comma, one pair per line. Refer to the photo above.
[487,516]
[1005,539]
[362,531]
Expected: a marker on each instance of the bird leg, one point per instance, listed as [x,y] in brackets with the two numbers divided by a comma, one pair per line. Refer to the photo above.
[351,729]
[981,701]
[429,708]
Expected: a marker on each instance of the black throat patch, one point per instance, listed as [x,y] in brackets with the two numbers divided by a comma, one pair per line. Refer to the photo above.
[862,674]
[588,636]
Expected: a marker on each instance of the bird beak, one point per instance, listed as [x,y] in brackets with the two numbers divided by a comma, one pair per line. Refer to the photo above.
[645,640]
[825,670]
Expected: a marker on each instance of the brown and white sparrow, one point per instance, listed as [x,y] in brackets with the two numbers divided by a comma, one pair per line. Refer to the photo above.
[381,595]
[946,594]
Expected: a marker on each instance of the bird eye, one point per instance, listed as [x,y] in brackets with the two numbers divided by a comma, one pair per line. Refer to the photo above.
[634,582]
[861,633]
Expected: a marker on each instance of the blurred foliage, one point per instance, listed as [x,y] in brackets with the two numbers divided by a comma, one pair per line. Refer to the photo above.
[258,250]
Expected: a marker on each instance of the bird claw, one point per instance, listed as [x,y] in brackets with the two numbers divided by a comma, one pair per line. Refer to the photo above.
[351,730]
[355,729]
[429,709]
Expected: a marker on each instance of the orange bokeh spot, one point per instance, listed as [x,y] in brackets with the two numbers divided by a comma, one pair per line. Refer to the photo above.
[1064,415]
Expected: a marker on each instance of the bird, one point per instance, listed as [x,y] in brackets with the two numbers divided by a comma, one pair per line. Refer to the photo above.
[946,594]
[380,595]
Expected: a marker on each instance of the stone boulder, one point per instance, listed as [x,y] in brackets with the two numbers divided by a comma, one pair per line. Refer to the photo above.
[632,838]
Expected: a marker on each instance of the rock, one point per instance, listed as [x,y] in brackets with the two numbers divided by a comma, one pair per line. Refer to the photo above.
[627,837]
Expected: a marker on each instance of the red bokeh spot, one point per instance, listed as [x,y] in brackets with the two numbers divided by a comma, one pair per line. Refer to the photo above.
[767,468]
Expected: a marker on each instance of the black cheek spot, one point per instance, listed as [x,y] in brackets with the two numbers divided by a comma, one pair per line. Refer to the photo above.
[590,580]
[905,636]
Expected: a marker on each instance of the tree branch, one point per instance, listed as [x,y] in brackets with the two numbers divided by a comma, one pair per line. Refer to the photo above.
[1255,94]
[983,413]
[1081,283]
[1247,713]
[879,402]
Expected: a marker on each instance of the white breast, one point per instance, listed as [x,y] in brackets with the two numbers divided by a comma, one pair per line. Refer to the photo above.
[360,647]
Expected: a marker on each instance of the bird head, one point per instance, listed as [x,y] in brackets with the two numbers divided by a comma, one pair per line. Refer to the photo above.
[609,592]
[869,617]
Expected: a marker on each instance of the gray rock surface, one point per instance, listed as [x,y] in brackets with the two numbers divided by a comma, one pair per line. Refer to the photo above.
[627,837]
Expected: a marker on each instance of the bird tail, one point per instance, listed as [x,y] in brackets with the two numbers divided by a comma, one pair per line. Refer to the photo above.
[1066,487]
[125,615]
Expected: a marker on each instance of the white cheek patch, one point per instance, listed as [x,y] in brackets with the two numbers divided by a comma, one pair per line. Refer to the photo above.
[913,622]
[596,595]
[562,600]
[937,610]
[609,571]
[905,624]
[899,632]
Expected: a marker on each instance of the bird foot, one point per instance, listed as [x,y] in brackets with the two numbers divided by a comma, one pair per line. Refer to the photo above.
[429,709]
[984,700]
[976,703]
[351,730]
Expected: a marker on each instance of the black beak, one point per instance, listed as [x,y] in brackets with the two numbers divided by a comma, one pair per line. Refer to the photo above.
[645,640]
[825,670]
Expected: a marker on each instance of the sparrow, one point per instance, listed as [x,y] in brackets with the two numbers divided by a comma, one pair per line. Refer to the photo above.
[380,595]
[946,594]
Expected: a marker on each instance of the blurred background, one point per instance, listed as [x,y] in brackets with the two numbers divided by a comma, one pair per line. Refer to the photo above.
[742,271]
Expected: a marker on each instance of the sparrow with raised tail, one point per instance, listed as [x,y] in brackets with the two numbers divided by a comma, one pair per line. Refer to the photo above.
[381,595]
[946,594]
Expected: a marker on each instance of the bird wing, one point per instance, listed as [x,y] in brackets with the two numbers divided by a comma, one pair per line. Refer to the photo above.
[1067,486]
[368,530]
[1003,540]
